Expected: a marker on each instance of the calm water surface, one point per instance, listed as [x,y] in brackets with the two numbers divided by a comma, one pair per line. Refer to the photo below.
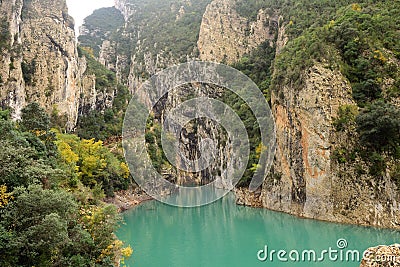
[224,234]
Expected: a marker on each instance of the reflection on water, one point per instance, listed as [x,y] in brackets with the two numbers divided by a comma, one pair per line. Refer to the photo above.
[224,234]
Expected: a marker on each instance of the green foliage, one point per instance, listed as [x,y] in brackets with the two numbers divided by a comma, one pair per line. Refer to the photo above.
[252,128]
[37,220]
[379,127]
[155,25]
[359,40]
[93,164]
[48,228]
[28,72]
[258,67]
[377,164]
[346,117]
[104,22]
[92,125]
[36,121]
[5,36]
[344,155]
[21,166]
[300,15]
[108,123]
[34,118]
[101,125]
[154,146]
[41,222]
[105,79]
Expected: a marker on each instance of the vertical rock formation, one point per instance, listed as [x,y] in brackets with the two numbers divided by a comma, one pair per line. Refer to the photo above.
[302,174]
[306,180]
[12,90]
[40,59]
[225,36]
[194,133]
[156,34]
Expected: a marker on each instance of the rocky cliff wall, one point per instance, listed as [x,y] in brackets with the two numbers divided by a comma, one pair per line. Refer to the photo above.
[306,179]
[40,62]
[225,36]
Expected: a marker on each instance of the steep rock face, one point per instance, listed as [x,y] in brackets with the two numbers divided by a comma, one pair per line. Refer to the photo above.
[306,180]
[302,175]
[225,36]
[41,60]
[127,9]
[193,133]
[156,34]
[12,91]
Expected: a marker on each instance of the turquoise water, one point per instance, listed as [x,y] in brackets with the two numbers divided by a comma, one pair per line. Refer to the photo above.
[224,234]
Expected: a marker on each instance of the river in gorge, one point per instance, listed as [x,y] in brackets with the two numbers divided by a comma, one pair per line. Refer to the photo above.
[223,234]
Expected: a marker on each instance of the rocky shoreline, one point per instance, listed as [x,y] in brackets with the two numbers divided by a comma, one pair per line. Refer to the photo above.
[382,256]
[128,199]
[246,198]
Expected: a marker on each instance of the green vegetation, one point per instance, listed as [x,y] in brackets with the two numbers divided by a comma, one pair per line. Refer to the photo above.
[92,164]
[105,78]
[346,117]
[104,22]
[5,36]
[51,213]
[155,27]
[360,40]
[258,66]
[253,130]
[108,123]
[379,127]
[300,15]
[154,146]
[28,72]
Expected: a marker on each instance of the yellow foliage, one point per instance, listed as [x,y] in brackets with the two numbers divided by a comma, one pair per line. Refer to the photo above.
[259,150]
[379,55]
[66,153]
[88,50]
[127,252]
[125,170]
[4,196]
[356,7]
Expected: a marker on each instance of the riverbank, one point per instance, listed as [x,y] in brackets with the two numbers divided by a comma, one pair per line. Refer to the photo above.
[128,199]
[246,198]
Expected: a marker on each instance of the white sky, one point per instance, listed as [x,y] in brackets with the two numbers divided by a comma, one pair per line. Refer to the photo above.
[80,9]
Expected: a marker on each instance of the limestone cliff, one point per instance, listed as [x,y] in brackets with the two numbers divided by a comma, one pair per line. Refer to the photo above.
[225,36]
[156,34]
[306,180]
[39,58]
[41,63]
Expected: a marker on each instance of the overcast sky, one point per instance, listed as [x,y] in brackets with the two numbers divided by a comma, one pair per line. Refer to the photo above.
[80,9]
